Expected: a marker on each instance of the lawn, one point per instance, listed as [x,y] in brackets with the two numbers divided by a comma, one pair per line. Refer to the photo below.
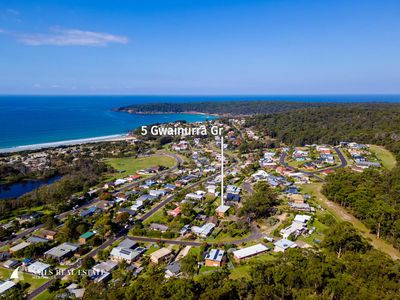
[129,166]
[226,237]
[43,296]
[34,281]
[157,217]
[385,156]
[151,250]
[243,270]
[240,272]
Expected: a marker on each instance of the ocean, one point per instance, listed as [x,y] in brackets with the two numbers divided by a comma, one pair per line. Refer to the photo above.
[31,120]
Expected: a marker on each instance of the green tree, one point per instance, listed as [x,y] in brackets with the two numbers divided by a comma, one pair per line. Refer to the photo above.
[261,203]
[342,237]
[189,265]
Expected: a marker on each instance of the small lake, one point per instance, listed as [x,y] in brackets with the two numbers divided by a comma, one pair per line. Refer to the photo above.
[18,189]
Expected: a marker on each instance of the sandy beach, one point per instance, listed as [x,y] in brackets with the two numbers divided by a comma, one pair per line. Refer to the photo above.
[109,138]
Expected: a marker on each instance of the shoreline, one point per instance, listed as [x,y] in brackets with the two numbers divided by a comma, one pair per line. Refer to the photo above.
[107,138]
[80,141]
[133,112]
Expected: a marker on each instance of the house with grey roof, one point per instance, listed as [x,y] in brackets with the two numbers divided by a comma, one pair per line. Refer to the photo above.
[62,251]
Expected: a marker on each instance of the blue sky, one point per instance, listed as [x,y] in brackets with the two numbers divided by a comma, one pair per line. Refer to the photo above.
[200,47]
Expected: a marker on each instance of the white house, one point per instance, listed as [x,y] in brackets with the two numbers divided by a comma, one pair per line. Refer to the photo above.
[38,268]
[284,244]
[5,286]
[244,253]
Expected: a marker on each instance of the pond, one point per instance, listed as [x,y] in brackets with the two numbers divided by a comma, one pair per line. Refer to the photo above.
[18,189]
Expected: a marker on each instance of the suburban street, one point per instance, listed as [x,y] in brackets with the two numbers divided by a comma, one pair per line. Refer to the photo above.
[343,163]
[124,232]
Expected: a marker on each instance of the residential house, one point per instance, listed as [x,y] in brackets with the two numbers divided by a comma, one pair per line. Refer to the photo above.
[175,212]
[146,197]
[75,292]
[88,212]
[5,286]
[247,252]
[127,251]
[120,181]
[11,264]
[18,247]
[222,210]
[296,198]
[211,188]
[184,230]
[204,230]
[233,197]
[214,258]
[305,207]
[105,266]
[169,187]
[39,268]
[150,182]
[194,196]
[173,269]
[36,239]
[138,205]
[298,226]
[158,227]
[85,237]
[157,193]
[284,244]
[160,255]
[121,197]
[62,251]
[327,158]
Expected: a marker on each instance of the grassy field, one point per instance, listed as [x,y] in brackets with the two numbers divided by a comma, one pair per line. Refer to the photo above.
[243,270]
[129,166]
[240,272]
[28,278]
[157,217]
[385,156]
[43,296]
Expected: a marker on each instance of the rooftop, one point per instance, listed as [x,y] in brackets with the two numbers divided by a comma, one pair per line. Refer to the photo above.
[62,250]
[250,251]
[161,253]
[284,244]
[222,209]
[87,235]
[215,254]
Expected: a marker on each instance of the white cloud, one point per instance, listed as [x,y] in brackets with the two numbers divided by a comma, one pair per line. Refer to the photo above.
[10,15]
[12,11]
[71,37]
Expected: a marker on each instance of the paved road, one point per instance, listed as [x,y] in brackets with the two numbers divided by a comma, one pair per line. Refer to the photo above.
[21,235]
[166,241]
[343,163]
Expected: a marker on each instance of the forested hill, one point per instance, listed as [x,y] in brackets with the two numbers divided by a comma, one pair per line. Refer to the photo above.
[373,124]
[240,108]
[221,108]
